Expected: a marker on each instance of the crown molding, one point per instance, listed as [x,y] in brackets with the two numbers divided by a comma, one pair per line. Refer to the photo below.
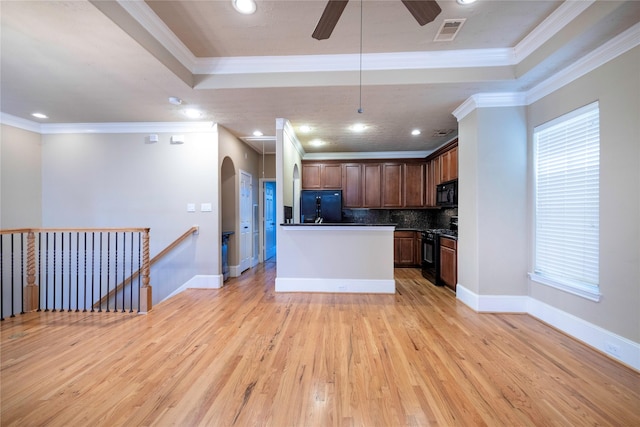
[488,100]
[348,62]
[287,128]
[600,56]
[20,123]
[615,47]
[559,18]
[368,155]
[133,127]
[147,18]
[125,127]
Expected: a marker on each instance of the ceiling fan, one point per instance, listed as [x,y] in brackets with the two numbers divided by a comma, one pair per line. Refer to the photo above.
[424,11]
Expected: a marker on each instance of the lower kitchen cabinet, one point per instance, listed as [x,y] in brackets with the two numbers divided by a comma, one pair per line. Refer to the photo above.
[448,262]
[406,245]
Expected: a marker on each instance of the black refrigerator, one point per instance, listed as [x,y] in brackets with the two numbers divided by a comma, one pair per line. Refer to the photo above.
[325,204]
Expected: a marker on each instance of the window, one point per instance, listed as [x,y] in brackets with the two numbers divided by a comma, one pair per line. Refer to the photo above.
[567,166]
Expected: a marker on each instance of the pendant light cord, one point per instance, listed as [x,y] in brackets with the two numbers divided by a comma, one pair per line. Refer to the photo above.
[360,87]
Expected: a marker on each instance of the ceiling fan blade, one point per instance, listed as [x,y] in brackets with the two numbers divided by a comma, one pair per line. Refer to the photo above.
[424,11]
[329,19]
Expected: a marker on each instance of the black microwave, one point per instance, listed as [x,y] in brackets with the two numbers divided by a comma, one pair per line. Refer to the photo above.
[447,194]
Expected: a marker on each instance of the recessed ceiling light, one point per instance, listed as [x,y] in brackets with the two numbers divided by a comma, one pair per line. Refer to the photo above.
[317,142]
[305,128]
[358,127]
[175,100]
[192,113]
[465,2]
[257,133]
[415,132]
[246,7]
[40,116]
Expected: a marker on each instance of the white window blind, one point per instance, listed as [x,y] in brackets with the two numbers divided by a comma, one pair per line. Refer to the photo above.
[567,155]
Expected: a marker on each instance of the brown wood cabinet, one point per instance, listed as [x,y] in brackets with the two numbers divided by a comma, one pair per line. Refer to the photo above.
[352,185]
[371,185]
[449,165]
[449,262]
[409,183]
[392,184]
[442,166]
[406,246]
[433,179]
[322,176]
[415,185]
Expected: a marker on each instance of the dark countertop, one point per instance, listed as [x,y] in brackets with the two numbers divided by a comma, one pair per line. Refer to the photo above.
[449,236]
[339,224]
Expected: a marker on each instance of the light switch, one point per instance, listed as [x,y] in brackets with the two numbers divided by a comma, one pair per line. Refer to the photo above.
[205,207]
[191,207]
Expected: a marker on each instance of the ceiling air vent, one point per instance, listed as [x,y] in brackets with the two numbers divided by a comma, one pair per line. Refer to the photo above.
[441,133]
[449,30]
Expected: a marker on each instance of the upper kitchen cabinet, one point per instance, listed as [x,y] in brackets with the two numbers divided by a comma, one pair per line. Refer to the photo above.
[415,185]
[371,185]
[449,165]
[392,185]
[352,189]
[322,176]
[442,166]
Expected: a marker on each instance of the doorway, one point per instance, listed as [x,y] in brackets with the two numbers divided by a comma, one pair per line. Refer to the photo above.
[269,206]
[246,223]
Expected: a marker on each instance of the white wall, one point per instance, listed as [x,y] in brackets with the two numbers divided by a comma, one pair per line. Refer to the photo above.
[20,178]
[122,180]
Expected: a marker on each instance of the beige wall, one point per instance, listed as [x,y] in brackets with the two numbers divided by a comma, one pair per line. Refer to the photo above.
[121,180]
[236,156]
[616,85]
[20,178]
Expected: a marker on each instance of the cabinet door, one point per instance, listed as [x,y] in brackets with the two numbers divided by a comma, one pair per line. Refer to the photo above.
[449,165]
[448,264]
[352,190]
[311,177]
[453,163]
[403,249]
[392,180]
[433,179]
[414,185]
[371,185]
[331,177]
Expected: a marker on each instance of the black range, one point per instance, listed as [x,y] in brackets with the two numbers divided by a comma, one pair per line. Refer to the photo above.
[431,253]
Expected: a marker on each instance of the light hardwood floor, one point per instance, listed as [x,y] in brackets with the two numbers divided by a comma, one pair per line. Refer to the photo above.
[246,356]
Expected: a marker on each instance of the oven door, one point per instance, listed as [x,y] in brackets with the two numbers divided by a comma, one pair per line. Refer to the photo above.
[429,257]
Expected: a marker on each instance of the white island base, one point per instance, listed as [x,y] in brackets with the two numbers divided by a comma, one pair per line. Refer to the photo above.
[335,258]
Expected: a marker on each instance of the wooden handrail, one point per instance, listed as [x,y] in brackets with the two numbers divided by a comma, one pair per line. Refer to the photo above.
[66,230]
[161,254]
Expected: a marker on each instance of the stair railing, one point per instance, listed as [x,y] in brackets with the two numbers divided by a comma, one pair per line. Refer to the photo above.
[155,259]
[64,269]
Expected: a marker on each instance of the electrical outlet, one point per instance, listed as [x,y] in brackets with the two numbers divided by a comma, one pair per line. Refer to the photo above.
[612,349]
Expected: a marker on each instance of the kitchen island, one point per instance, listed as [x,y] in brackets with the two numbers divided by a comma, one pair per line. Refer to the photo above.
[340,257]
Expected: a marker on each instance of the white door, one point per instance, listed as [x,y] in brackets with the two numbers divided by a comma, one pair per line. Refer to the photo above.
[245,220]
[269,220]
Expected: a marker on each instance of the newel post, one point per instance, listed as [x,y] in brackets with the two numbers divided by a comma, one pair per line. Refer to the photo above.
[145,290]
[31,291]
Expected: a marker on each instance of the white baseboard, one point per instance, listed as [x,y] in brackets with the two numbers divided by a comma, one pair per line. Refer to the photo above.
[620,348]
[199,281]
[286,284]
[234,271]
[492,303]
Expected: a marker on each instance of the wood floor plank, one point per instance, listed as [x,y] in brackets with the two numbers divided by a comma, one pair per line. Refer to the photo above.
[246,356]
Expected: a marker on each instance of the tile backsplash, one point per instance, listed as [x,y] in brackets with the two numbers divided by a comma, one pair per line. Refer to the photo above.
[419,219]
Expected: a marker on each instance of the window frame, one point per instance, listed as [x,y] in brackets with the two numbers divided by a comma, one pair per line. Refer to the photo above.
[582,289]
